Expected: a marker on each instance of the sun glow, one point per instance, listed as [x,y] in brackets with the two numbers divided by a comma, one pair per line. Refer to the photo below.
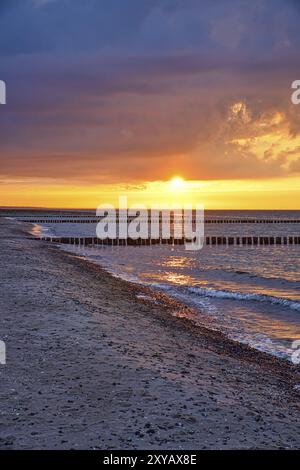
[177,183]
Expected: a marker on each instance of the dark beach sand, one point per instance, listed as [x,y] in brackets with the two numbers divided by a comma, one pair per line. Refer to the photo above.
[91,365]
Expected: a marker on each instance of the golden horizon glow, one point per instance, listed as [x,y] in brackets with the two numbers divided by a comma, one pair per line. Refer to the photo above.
[277,193]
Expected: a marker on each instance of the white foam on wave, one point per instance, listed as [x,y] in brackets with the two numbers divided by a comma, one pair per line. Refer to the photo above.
[224,294]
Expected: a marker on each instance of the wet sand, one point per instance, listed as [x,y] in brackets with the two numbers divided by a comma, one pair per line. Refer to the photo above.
[94,363]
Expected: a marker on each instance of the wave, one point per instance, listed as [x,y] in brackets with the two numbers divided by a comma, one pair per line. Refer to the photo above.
[264,277]
[225,294]
[255,275]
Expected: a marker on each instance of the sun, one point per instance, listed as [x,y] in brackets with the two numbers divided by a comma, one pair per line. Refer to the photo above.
[177,183]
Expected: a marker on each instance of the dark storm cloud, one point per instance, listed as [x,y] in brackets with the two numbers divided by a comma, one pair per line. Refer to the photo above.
[132,89]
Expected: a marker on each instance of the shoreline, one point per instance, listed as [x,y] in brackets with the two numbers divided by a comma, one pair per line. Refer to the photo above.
[186,313]
[179,314]
[241,300]
[164,383]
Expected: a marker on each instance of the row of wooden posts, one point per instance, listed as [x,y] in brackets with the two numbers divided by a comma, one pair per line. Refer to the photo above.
[94,241]
[206,221]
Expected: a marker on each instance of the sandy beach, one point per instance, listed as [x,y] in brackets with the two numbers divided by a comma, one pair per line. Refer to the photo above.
[94,362]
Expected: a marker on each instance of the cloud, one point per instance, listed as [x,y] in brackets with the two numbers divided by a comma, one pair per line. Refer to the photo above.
[110,91]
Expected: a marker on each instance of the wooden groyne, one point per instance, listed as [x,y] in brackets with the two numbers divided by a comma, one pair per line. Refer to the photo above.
[210,240]
[87,220]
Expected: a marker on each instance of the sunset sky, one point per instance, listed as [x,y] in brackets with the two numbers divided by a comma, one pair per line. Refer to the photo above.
[109,97]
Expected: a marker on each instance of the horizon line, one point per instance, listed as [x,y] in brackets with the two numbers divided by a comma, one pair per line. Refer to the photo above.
[93,209]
